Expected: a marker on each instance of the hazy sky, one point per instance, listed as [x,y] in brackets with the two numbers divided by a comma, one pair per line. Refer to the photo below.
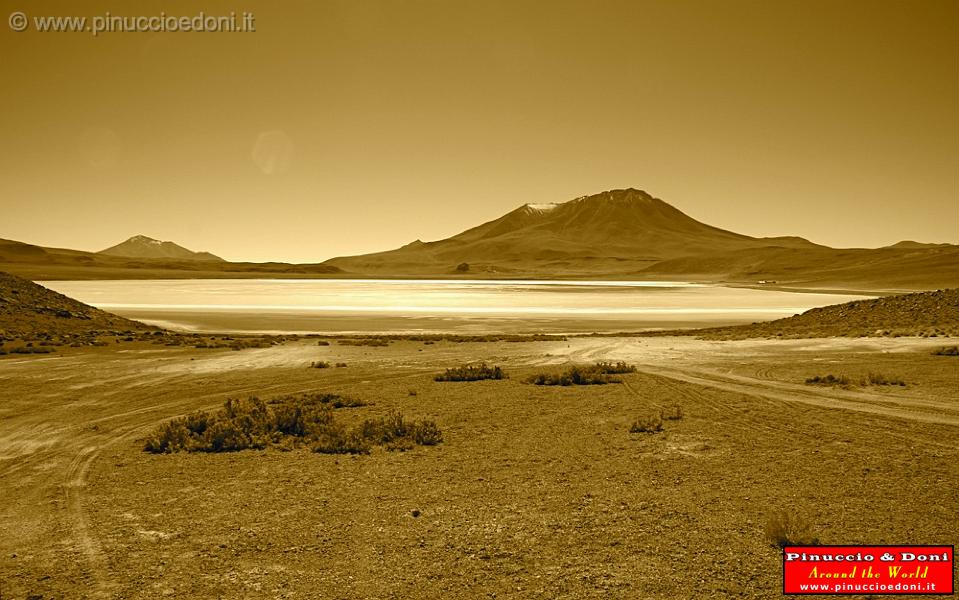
[355,126]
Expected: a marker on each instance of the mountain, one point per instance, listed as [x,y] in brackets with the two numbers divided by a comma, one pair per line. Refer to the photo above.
[141,246]
[614,230]
[29,310]
[619,234]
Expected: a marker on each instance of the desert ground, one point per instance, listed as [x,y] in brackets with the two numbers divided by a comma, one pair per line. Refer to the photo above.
[534,492]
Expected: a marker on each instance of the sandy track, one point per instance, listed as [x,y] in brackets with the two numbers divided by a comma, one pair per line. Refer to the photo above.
[899,406]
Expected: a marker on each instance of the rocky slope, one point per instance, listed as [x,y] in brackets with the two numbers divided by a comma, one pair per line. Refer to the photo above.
[30,311]
[924,314]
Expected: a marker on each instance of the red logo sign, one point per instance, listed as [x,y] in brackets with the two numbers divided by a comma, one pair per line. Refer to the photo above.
[871,570]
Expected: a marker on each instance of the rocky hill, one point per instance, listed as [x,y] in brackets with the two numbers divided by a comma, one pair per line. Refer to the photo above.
[923,314]
[30,311]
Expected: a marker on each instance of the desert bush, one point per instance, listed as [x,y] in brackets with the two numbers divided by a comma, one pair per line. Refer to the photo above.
[170,437]
[672,413]
[30,349]
[880,379]
[946,351]
[347,402]
[618,368]
[426,433]
[340,365]
[650,423]
[285,423]
[472,373]
[322,343]
[336,439]
[829,379]
[320,364]
[374,342]
[312,399]
[576,375]
[787,528]
[397,433]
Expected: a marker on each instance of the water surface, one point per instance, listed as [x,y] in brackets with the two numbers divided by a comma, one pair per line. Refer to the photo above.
[414,306]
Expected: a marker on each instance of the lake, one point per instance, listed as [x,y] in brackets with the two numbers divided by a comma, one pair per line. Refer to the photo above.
[434,306]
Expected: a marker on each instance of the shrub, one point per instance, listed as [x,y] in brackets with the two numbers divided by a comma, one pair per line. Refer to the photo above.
[590,375]
[787,528]
[398,434]
[426,433]
[880,379]
[340,365]
[31,349]
[319,364]
[472,373]
[335,439]
[619,368]
[374,342]
[946,351]
[828,380]
[650,423]
[322,343]
[287,422]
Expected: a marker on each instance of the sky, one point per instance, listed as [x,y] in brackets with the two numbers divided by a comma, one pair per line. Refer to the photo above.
[346,127]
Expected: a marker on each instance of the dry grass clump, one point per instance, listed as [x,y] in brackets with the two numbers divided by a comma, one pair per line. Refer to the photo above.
[880,379]
[652,422]
[31,349]
[649,423]
[320,364]
[829,379]
[288,422]
[598,374]
[844,381]
[617,368]
[787,528]
[225,342]
[372,342]
[397,433]
[946,351]
[472,373]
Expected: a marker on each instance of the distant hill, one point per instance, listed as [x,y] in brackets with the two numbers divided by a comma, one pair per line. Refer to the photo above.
[39,263]
[611,231]
[924,314]
[141,246]
[909,244]
[853,268]
[28,310]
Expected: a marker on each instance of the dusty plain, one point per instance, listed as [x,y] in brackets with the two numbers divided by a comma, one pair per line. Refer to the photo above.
[536,492]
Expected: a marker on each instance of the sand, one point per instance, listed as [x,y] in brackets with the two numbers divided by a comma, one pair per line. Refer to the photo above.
[535,492]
